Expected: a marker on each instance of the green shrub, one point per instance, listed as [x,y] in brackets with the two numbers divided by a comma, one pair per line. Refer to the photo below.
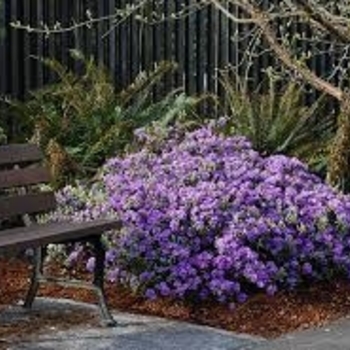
[279,122]
[81,120]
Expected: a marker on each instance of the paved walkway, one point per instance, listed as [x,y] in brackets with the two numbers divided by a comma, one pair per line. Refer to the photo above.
[335,336]
[150,333]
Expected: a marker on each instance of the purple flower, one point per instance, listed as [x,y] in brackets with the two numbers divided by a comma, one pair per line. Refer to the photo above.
[307,268]
[90,265]
[150,294]
[164,289]
[242,297]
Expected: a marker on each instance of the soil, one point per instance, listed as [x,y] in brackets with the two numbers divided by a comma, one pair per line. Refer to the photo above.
[260,315]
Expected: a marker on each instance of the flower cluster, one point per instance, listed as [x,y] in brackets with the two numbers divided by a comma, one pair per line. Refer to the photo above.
[82,202]
[208,217]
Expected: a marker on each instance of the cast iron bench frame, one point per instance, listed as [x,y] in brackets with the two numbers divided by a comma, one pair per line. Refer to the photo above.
[20,172]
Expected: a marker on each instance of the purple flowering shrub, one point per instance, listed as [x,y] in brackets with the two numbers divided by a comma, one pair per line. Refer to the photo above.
[208,217]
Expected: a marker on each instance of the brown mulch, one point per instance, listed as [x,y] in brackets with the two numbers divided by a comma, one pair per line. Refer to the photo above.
[260,315]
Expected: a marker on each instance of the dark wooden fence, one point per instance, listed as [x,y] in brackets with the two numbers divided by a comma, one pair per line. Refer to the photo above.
[200,43]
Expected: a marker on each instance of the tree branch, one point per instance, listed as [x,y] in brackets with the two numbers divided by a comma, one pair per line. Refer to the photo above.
[317,16]
[262,20]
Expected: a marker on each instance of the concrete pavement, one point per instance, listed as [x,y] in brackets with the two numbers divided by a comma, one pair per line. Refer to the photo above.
[135,332]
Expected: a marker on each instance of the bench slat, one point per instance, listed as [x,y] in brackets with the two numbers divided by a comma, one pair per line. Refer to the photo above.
[23,177]
[26,204]
[39,235]
[19,154]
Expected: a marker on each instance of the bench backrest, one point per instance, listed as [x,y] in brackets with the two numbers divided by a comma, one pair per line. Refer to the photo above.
[20,167]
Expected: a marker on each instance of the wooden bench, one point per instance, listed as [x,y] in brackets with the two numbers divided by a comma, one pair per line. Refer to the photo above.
[20,173]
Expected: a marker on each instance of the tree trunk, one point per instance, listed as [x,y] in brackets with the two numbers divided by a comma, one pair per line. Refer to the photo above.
[338,163]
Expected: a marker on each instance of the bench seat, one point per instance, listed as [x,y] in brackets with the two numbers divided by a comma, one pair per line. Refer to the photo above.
[38,235]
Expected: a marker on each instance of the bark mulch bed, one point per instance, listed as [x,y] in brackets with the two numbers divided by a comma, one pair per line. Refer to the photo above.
[260,315]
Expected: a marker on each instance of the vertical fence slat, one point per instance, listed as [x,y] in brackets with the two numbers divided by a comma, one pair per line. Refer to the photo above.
[147,39]
[3,48]
[158,46]
[15,51]
[77,36]
[180,47]
[4,121]
[65,20]
[190,34]
[233,33]
[39,45]
[111,40]
[169,38]
[223,46]
[50,14]
[58,42]
[27,76]
[212,49]
[134,57]
[117,66]
[123,50]
[101,28]
[88,36]
[201,50]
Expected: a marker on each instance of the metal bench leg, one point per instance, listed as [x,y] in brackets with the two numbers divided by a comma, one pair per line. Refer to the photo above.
[34,282]
[98,281]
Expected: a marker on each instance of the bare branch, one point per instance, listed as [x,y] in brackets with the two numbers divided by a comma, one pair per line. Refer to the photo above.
[262,21]
[317,16]
[117,17]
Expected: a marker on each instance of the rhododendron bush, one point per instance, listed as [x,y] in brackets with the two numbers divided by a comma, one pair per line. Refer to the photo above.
[207,217]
